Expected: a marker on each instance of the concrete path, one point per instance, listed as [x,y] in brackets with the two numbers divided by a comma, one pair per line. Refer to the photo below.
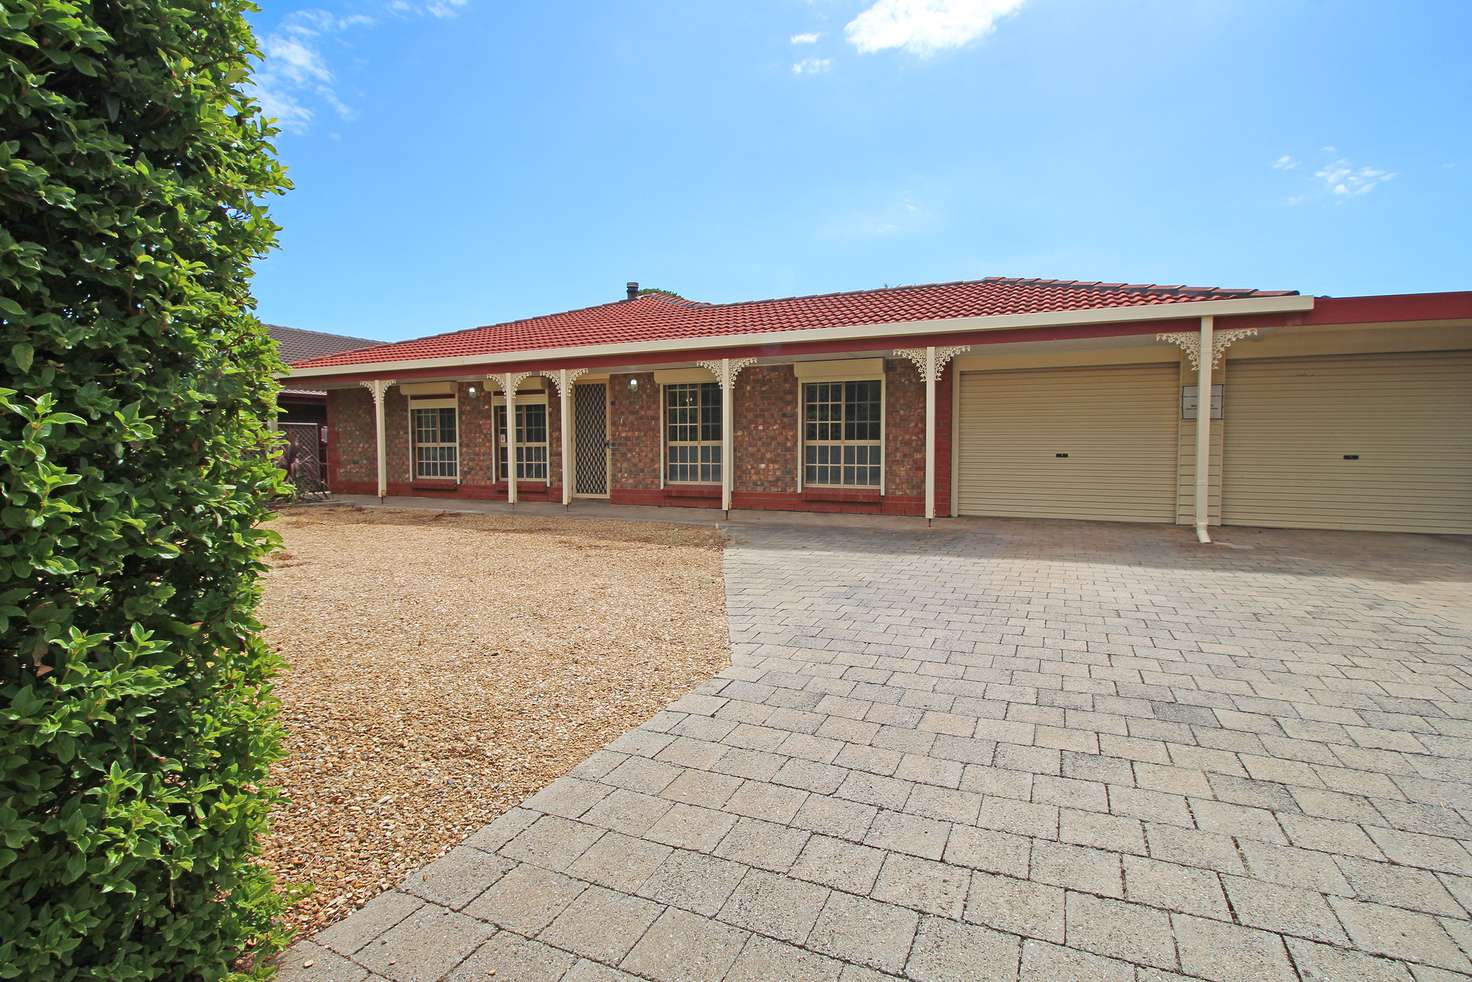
[1003,749]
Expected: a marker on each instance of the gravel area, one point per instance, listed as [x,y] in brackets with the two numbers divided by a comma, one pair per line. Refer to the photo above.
[444,666]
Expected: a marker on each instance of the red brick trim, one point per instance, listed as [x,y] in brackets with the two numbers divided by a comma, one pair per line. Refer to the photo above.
[692,490]
[891,504]
[855,495]
[658,497]
[434,484]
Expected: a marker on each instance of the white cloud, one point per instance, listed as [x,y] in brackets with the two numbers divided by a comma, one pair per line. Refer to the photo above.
[812,66]
[294,75]
[1337,180]
[1345,180]
[923,27]
[434,8]
[805,38]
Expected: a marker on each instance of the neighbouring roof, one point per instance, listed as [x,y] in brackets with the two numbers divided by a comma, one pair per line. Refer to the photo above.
[662,316]
[296,345]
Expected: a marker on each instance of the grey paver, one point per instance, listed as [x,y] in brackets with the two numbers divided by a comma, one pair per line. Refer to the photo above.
[601,924]
[510,956]
[1077,751]
[372,920]
[425,945]
[526,899]
[776,906]
[1324,963]
[1217,950]
[1078,868]
[1017,906]
[685,947]
[922,884]
[950,951]
[839,864]
[1288,910]
[911,834]
[310,962]
[1044,962]
[1399,886]
[691,827]
[1175,887]
[1130,932]
[763,844]
[552,842]
[866,931]
[626,811]
[763,960]
[457,877]
[1400,934]
[693,881]
[619,862]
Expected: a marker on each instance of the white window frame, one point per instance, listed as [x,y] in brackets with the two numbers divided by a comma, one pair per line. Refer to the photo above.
[418,403]
[700,444]
[802,432]
[535,398]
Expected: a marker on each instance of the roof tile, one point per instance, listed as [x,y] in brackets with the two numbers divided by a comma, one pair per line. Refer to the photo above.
[661,316]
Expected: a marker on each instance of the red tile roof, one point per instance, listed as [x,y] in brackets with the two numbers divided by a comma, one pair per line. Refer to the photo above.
[660,316]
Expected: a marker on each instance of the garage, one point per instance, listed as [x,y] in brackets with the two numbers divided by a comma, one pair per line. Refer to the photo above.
[1093,443]
[1372,442]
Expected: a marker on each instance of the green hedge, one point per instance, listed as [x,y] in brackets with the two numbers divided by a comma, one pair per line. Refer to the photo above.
[136,716]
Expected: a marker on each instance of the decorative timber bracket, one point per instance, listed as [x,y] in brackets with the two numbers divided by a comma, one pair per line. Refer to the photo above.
[378,388]
[1190,343]
[919,357]
[726,369]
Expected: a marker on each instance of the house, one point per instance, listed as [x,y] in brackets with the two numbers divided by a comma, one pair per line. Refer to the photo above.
[998,397]
[303,410]
[306,404]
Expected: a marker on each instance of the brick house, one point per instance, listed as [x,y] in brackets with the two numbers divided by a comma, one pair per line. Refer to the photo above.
[1002,396]
[303,409]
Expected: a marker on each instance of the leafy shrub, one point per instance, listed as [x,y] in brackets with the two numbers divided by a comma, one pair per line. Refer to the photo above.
[136,716]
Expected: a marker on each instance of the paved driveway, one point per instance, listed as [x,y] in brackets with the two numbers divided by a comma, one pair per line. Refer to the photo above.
[1053,750]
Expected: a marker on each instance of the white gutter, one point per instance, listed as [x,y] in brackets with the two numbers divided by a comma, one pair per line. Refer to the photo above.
[860,332]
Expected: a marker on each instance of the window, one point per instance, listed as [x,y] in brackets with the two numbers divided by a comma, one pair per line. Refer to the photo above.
[436,451]
[692,433]
[842,434]
[531,441]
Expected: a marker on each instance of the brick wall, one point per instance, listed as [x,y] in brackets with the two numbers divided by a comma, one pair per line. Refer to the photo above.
[904,420]
[634,423]
[766,440]
[350,438]
[765,405]
[352,468]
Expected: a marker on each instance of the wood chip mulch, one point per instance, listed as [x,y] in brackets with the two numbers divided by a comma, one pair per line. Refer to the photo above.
[444,666]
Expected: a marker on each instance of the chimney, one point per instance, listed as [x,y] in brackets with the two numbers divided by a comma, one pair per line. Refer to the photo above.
[633,288]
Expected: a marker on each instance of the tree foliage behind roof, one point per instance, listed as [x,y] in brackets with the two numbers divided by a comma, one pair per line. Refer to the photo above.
[136,719]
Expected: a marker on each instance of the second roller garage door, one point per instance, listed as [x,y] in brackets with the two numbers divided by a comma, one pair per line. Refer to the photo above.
[1093,443]
[1375,442]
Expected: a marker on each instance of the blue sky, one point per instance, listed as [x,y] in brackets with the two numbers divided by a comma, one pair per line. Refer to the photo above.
[462,162]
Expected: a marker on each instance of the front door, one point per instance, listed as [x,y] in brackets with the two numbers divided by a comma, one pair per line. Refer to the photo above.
[590,439]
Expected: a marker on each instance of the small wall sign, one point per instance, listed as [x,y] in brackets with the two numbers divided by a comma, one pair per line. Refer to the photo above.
[1190,401]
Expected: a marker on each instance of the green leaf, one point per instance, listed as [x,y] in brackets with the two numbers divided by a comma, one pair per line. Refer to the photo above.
[23,354]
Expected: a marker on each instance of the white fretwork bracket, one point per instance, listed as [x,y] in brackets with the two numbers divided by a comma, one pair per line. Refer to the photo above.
[726,370]
[1190,343]
[513,380]
[943,356]
[555,377]
[378,388]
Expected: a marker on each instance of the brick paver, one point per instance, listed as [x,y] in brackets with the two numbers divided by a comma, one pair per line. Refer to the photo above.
[1003,750]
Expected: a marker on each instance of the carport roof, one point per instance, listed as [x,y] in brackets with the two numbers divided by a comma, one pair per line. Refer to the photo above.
[658,316]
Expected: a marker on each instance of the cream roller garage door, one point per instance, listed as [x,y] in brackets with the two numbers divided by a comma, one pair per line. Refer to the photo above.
[1379,442]
[1096,443]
